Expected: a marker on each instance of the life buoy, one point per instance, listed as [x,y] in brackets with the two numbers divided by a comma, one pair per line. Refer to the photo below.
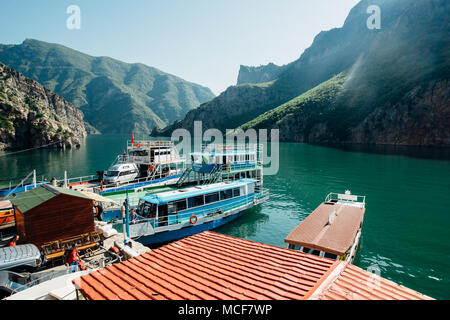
[138,145]
[193,219]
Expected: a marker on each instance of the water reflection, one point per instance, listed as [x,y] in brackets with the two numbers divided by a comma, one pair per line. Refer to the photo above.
[430,153]
[246,226]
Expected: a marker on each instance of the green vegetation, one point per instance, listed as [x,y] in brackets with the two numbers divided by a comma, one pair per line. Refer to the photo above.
[5,123]
[114,96]
[313,104]
[348,76]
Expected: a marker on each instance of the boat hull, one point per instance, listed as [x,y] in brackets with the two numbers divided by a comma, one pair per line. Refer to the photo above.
[168,236]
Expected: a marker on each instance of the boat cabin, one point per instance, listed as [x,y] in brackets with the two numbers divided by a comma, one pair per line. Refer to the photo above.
[332,230]
[177,206]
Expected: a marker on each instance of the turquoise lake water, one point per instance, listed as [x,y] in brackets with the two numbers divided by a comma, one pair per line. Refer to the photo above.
[406,229]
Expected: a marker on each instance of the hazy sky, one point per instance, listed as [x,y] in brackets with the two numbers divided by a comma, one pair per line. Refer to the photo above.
[203,41]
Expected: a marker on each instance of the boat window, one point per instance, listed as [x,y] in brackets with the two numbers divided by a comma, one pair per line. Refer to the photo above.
[212,197]
[171,208]
[162,210]
[330,255]
[291,246]
[147,210]
[178,205]
[236,192]
[139,153]
[247,157]
[226,194]
[112,173]
[195,201]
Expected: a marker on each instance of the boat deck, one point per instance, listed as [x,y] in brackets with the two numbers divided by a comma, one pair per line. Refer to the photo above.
[331,227]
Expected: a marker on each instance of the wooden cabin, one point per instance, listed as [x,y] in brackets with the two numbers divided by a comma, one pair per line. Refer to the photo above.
[49,213]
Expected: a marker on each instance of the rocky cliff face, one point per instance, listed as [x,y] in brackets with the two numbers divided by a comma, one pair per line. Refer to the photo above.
[420,118]
[260,74]
[33,116]
[354,84]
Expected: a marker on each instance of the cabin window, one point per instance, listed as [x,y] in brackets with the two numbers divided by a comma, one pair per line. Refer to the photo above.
[330,255]
[195,201]
[171,208]
[163,210]
[247,157]
[226,194]
[212,197]
[236,192]
[291,246]
[178,205]
[148,210]
[139,153]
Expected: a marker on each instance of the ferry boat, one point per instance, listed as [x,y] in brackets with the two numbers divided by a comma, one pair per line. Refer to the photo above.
[214,163]
[175,214]
[333,229]
[145,163]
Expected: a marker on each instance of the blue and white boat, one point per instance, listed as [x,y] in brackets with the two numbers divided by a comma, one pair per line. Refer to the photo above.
[176,214]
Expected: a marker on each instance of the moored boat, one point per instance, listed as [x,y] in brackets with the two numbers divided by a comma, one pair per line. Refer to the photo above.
[333,229]
[175,214]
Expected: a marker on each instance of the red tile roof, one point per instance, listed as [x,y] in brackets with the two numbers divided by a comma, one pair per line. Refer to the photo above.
[354,283]
[211,266]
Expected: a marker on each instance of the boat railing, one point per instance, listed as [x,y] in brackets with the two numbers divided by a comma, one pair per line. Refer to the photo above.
[262,193]
[230,147]
[80,179]
[177,218]
[173,158]
[346,198]
[45,277]
[160,175]
[149,143]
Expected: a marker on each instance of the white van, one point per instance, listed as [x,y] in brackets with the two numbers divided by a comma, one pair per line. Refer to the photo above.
[121,173]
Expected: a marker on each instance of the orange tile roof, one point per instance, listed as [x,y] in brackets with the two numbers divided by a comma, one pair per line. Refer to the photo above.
[211,266]
[354,283]
[315,232]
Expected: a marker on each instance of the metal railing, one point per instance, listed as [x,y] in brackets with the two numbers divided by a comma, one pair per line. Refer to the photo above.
[349,198]
[80,179]
[149,144]
[123,186]
[178,218]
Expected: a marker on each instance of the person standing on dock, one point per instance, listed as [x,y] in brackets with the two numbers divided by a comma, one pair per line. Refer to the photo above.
[74,259]
[98,211]
[13,242]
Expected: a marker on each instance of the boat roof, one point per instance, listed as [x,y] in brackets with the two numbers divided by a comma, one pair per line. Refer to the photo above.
[25,254]
[210,266]
[5,204]
[316,231]
[164,197]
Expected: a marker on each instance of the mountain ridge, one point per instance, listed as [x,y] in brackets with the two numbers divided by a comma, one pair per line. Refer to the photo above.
[408,56]
[103,87]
